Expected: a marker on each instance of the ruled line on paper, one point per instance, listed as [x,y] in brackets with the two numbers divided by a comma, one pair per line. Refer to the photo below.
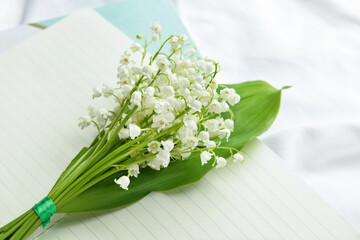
[269,204]
[123,225]
[264,203]
[10,135]
[251,211]
[182,218]
[73,234]
[215,177]
[302,207]
[278,199]
[223,212]
[107,227]
[190,215]
[226,212]
[157,220]
[170,219]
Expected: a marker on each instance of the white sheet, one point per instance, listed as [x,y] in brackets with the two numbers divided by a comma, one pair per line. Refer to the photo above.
[312,45]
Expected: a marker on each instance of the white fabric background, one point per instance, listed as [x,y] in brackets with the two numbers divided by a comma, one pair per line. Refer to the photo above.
[312,45]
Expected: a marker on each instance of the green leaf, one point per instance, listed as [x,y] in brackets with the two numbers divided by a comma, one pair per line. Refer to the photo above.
[257,110]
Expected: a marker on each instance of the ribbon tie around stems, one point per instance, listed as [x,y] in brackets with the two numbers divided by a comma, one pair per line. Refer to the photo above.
[45,209]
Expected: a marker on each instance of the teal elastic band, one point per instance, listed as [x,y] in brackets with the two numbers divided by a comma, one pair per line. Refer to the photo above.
[45,209]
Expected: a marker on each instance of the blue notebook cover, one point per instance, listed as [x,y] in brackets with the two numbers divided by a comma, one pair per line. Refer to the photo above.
[135,16]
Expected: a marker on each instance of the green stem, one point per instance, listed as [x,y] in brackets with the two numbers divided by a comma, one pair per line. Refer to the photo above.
[99,165]
[13,222]
[204,149]
[79,159]
[18,226]
[162,45]
[108,161]
[25,227]
[94,157]
[36,224]
[77,192]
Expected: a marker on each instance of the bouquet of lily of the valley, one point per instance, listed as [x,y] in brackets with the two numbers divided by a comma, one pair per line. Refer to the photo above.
[166,123]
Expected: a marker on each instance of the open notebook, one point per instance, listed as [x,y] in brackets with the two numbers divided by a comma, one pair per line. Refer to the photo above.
[45,85]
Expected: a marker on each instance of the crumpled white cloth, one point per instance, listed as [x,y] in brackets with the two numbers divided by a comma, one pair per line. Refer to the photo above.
[312,45]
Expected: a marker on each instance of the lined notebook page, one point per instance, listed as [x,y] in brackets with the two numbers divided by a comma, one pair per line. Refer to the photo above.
[45,84]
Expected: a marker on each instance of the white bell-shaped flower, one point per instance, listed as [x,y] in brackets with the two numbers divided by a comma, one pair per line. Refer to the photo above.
[154,147]
[124,133]
[168,145]
[135,47]
[205,156]
[204,136]
[156,27]
[238,157]
[134,131]
[190,52]
[123,182]
[234,99]
[220,162]
[97,92]
[229,124]
[136,98]
[84,122]
[134,170]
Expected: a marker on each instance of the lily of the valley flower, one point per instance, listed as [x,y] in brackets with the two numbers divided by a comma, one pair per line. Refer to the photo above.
[156,27]
[123,182]
[134,170]
[205,156]
[238,157]
[165,108]
[220,162]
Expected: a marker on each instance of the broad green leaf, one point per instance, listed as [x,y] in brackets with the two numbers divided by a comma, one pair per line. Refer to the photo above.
[257,110]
